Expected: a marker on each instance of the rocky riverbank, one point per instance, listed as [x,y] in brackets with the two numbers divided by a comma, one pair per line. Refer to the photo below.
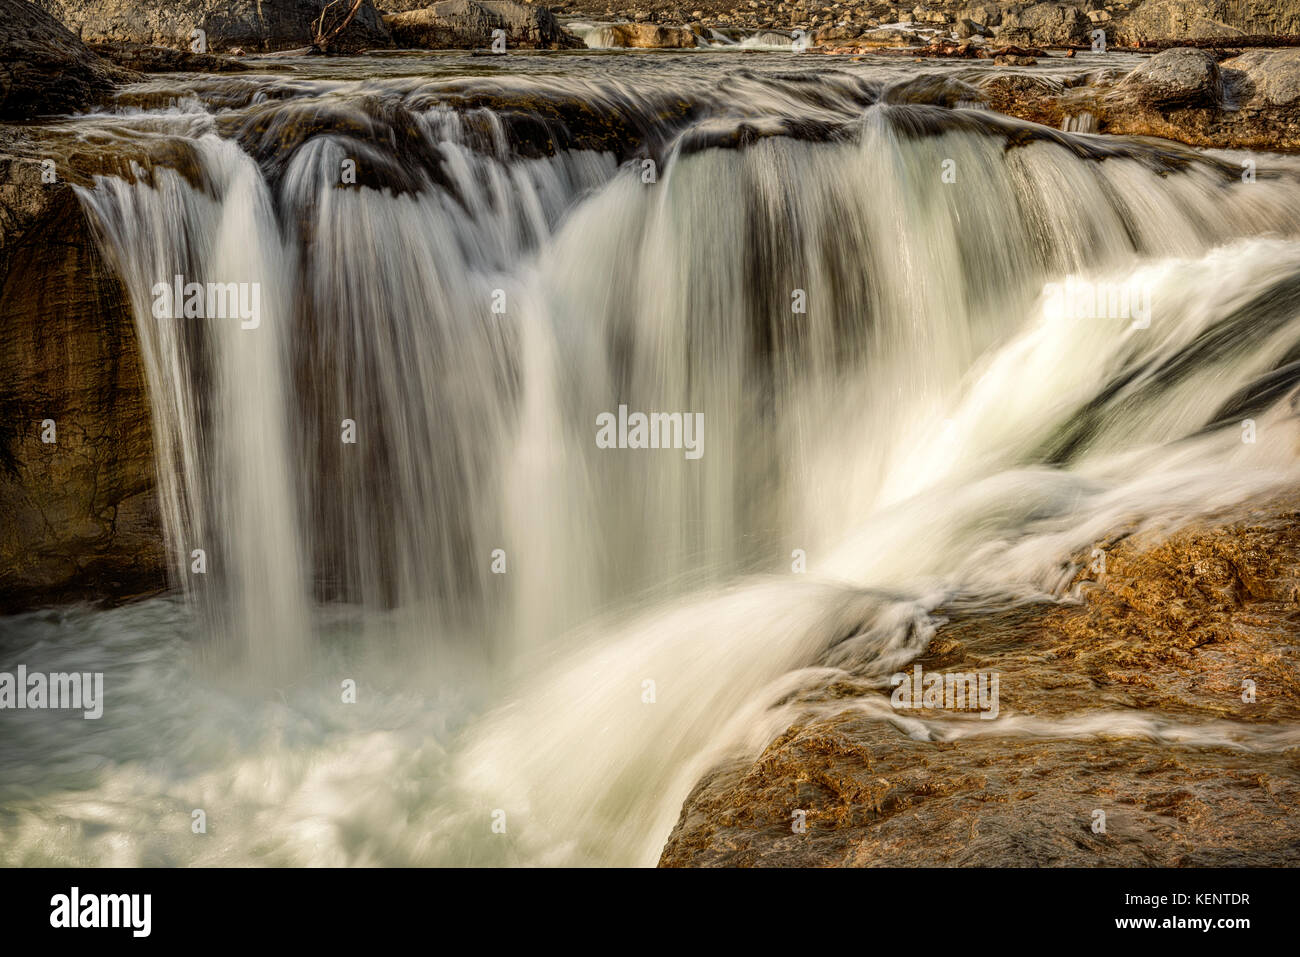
[247,26]
[1192,638]
[1126,23]
[1247,101]
[78,518]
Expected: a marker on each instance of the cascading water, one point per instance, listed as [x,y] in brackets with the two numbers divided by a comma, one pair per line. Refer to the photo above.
[856,291]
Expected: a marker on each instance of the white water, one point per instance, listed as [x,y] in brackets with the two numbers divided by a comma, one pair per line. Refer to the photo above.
[921,430]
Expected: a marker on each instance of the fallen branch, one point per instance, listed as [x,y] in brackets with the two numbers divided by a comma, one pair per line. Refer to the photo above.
[323,37]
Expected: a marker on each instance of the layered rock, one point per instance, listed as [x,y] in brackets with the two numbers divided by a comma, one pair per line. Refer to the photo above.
[1251,101]
[78,515]
[226,24]
[44,68]
[150,59]
[1155,698]
[471,24]
[1157,20]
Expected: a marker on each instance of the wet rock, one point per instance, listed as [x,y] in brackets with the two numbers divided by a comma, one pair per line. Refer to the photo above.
[1038,99]
[261,25]
[949,50]
[1171,635]
[150,59]
[78,515]
[1246,102]
[1003,49]
[470,24]
[44,69]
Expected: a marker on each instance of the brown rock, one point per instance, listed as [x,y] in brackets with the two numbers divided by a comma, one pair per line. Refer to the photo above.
[470,24]
[1166,635]
[151,59]
[1247,102]
[249,24]
[646,36]
[43,67]
[78,517]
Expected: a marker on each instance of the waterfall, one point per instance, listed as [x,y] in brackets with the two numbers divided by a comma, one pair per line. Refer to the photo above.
[931,348]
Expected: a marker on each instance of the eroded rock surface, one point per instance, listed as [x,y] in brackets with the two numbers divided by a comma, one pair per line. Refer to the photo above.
[249,25]
[44,69]
[1250,101]
[151,59]
[78,516]
[1155,20]
[470,24]
[1128,701]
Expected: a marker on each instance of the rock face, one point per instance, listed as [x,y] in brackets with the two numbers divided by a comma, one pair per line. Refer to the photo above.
[1157,20]
[1250,101]
[43,67]
[1088,689]
[78,516]
[469,24]
[227,24]
[1046,24]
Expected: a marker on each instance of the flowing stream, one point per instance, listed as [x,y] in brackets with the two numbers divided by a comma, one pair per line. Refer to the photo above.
[933,351]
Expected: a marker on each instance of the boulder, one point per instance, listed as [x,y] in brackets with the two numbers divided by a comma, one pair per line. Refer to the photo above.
[985,14]
[470,24]
[261,25]
[1265,80]
[656,36]
[1175,79]
[43,67]
[1046,24]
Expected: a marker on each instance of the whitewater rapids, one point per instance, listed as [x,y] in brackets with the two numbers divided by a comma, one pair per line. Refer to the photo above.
[930,425]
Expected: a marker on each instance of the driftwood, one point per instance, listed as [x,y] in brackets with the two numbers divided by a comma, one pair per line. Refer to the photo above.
[322,34]
[1224,43]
